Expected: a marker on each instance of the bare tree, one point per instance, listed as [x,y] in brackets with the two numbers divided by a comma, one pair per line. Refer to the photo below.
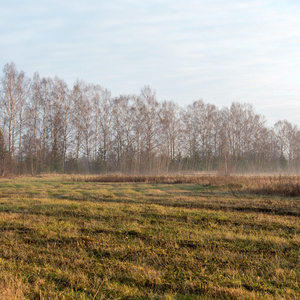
[87,121]
[124,114]
[200,122]
[105,126]
[33,122]
[15,90]
[46,127]
[171,137]
[286,138]
[151,128]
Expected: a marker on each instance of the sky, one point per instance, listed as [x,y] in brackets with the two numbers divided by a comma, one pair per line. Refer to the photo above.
[219,51]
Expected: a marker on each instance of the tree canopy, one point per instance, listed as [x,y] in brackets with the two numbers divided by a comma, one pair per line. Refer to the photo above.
[45,126]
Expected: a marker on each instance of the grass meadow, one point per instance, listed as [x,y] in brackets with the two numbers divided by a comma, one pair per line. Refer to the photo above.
[155,237]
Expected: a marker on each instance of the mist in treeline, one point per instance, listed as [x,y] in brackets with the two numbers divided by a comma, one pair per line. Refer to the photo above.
[45,126]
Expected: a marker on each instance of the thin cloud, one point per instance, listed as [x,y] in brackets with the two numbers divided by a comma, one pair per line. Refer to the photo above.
[245,51]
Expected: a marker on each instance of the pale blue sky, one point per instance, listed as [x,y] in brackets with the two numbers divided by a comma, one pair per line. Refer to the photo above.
[218,51]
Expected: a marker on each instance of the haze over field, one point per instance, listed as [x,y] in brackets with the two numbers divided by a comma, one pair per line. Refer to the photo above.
[245,51]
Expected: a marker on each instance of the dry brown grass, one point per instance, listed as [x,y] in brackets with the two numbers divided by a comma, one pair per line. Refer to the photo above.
[11,288]
[286,185]
[87,240]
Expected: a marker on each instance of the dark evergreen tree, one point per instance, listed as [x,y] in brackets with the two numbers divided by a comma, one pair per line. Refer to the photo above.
[3,155]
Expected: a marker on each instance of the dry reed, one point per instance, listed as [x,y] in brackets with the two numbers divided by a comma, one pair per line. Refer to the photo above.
[285,185]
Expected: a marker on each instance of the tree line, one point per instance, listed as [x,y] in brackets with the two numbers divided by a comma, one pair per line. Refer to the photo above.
[47,127]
